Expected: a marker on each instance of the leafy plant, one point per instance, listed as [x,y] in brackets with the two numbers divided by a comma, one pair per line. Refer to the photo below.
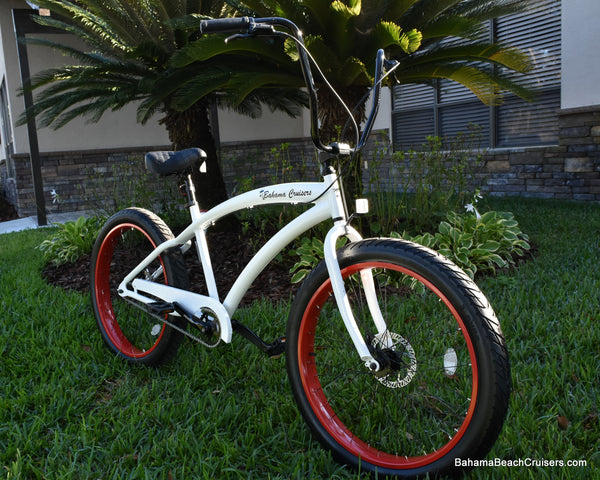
[415,189]
[310,252]
[493,240]
[476,242]
[71,241]
[266,220]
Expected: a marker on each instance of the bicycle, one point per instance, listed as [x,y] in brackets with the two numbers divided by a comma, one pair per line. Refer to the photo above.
[395,358]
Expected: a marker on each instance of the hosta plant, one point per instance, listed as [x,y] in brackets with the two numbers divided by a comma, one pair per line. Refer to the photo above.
[477,242]
[71,241]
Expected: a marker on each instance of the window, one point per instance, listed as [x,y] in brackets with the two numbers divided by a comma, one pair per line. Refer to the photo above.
[6,143]
[448,108]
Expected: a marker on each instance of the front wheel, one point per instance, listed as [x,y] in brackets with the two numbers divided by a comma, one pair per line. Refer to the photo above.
[128,329]
[443,387]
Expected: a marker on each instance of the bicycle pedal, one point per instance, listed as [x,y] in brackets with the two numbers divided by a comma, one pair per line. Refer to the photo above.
[161,308]
[277,348]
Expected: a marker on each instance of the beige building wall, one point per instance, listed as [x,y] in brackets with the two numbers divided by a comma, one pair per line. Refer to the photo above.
[116,129]
[120,129]
[580,55]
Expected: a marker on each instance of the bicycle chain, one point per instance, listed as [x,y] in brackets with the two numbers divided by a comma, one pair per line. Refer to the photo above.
[172,325]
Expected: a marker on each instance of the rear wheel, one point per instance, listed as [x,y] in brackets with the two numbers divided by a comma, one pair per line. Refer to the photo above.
[443,388]
[128,329]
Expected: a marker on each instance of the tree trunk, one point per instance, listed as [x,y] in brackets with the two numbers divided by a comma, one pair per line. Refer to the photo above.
[192,128]
[333,118]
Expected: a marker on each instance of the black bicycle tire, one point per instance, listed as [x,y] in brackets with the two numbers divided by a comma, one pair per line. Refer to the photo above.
[175,271]
[484,330]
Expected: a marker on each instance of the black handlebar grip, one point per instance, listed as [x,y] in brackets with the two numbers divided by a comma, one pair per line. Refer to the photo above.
[226,25]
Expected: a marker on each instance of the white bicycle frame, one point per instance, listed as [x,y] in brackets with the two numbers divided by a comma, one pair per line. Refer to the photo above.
[328,203]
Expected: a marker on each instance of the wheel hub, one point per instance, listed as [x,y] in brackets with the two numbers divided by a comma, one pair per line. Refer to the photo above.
[397,360]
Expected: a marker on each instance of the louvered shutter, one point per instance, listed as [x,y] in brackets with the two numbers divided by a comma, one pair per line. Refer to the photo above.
[413,116]
[450,108]
[458,109]
[520,123]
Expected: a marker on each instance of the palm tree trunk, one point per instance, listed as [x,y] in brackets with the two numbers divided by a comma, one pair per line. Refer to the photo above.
[191,128]
[333,118]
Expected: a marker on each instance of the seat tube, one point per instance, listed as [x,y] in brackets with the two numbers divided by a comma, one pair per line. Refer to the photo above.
[201,243]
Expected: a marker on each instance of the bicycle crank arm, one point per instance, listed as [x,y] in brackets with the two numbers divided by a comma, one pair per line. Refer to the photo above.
[190,302]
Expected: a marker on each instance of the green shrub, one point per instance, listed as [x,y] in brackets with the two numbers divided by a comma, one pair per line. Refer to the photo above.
[482,243]
[415,189]
[310,252]
[476,242]
[123,184]
[71,241]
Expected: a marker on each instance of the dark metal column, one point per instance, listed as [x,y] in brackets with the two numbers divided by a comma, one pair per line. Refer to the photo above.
[23,25]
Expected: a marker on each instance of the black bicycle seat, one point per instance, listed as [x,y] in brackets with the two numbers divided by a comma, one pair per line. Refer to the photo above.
[166,163]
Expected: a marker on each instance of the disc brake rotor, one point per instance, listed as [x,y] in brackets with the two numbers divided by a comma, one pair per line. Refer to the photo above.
[396,346]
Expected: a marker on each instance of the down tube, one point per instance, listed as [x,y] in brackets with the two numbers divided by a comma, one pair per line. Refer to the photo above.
[315,215]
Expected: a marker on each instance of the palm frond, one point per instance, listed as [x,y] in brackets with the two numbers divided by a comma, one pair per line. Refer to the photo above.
[77,54]
[486,85]
[395,9]
[198,88]
[451,26]
[319,13]
[242,84]
[481,11]
[425,11]
[84,24]
[388,33]
[188,23]
[211,46]
[289,101]
[497,54]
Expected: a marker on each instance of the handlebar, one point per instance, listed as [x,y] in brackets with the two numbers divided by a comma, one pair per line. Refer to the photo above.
[249,26]
[226,25]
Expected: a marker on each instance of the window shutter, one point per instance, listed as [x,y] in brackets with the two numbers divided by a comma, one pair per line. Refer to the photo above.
[413,117]
[520,123]
[450,108]
[459,109]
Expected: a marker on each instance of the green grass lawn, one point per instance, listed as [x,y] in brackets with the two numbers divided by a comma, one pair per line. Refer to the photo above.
[69,409]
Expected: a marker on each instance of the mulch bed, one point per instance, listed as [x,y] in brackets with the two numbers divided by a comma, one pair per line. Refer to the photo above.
[229,254]
[7,211]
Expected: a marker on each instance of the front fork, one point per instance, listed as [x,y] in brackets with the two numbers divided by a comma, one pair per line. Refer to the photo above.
[341,296]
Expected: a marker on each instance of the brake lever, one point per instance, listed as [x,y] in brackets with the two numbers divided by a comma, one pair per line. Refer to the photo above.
[255,29]
[238,36]
[389,66]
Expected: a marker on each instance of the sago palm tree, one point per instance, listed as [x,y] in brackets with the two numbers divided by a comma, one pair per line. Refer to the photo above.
[431,38]
[126,58]
[343,36]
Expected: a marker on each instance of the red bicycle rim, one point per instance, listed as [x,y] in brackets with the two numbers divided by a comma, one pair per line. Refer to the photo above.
[318,400]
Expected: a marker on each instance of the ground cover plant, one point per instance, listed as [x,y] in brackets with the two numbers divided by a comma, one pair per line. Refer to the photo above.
[69,409]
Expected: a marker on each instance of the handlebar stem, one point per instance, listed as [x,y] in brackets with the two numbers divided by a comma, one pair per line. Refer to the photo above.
[379,63]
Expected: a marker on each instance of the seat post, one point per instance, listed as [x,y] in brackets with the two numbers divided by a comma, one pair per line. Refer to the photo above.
[192,201]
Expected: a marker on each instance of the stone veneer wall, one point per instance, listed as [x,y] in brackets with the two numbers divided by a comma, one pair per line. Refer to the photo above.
[569,170]
[94,180]
[82,180]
